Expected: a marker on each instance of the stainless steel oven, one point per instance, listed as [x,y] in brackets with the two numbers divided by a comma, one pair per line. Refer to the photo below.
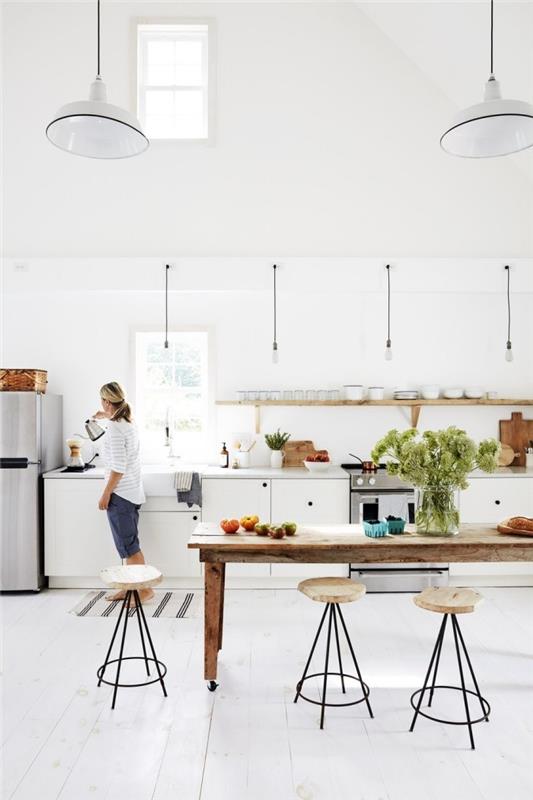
[371,495]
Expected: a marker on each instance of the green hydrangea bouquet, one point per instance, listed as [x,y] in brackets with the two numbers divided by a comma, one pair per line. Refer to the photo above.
[437,463]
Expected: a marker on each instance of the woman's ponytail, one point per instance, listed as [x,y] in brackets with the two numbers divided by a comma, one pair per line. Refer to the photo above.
[114,394]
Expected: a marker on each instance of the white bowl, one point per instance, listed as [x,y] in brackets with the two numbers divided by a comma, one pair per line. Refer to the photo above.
[317,466]
[474,392]
[453,393]
[430,392]
[354,392]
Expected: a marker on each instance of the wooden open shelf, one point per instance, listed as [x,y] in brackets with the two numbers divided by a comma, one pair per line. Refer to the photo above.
[414,405]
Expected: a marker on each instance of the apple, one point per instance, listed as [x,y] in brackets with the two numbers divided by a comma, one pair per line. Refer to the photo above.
[262,528]
[230,525]
[290,528]
[249,522]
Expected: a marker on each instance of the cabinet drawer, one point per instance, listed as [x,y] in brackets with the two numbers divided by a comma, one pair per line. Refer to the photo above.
[311,501]
[493,499]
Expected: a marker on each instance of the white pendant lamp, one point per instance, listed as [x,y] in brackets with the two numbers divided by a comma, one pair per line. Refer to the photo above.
[495,127]
[94,128]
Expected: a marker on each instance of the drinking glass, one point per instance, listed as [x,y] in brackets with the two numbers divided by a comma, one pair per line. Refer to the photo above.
[298,394]
[287,394]
[275,395]
[241,396]
[310,394]
[334,394]
[322,394]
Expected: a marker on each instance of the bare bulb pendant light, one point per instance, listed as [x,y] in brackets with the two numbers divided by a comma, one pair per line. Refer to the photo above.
[495,127]
[94,128]
[275,352]
[167,267]
[388,345]
[508,347]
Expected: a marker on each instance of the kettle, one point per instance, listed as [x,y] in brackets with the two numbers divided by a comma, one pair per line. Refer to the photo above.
[94,430]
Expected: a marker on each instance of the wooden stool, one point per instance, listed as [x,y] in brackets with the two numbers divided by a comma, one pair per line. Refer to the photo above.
[131,578]
[333,592]
[450,601]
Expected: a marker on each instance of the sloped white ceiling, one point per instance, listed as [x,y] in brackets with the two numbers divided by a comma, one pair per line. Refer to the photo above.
[449,42]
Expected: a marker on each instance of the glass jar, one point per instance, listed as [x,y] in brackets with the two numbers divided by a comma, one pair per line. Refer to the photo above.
[436,511]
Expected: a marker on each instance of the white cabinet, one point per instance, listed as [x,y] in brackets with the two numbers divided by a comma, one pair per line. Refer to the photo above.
[233,498]
[164,536]
[491,500]
[78,540]
[311,502]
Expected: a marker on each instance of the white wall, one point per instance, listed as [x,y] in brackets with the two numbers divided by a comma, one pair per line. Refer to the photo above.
[76,319]
[326,144]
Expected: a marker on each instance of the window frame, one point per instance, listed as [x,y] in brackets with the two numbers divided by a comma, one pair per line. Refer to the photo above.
[209,22]
[211,377]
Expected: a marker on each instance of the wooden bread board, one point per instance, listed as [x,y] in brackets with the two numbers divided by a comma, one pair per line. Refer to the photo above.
[517,432]
[296,452]
[503,527]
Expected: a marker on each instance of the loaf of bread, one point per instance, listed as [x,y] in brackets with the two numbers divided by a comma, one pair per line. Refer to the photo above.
[521,523]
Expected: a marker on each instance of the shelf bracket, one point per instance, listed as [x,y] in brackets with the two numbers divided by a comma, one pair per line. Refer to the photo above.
[257,414]
[415,414]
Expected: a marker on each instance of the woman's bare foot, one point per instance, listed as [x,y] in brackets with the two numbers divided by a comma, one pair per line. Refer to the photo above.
[144,596]
[112,598]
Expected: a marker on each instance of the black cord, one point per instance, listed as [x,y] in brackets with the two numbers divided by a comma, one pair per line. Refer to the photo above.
[388,304]
[167,267]
[508,268]
[98,38]
[274,267]
[492,37]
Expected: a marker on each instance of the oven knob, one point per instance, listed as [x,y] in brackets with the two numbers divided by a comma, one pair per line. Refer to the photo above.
[359,481]
[371,481]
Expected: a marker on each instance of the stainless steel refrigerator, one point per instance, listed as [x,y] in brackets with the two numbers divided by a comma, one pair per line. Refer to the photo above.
[31,442]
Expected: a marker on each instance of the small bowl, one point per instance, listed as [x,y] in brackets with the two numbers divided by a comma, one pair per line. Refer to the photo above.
[375,531]
[430,392]
[474,392]
[317,466]
[453,393]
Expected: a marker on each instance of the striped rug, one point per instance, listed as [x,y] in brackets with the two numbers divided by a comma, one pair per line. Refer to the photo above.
[177,604]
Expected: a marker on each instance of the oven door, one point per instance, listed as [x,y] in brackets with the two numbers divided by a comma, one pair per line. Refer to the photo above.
[365,505]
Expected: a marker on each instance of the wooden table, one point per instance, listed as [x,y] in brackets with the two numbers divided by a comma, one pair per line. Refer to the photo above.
[341,544]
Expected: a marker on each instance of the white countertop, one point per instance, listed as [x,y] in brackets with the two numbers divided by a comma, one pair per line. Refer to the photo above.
[206,471]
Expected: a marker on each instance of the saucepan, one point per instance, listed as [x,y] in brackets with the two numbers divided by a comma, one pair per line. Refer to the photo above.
[368,466]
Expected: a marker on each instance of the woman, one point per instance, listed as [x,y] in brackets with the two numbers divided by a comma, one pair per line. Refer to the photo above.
[123,493]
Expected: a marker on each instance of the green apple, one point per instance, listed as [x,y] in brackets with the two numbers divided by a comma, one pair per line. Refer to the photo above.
[290,528]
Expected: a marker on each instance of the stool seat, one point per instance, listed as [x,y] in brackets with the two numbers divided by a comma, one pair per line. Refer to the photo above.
[131,576]
[448,600]
[332,590]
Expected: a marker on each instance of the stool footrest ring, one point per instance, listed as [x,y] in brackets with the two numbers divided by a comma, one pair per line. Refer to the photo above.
[481,700]
[364,687]
[157,679]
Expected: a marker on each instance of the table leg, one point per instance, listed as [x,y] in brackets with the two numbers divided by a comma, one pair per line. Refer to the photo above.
[221,615]
[213,601]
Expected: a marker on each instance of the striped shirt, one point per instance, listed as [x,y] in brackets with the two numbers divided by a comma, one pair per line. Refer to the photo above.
[121,454]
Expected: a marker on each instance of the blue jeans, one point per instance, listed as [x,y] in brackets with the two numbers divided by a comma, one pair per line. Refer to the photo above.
[123,519]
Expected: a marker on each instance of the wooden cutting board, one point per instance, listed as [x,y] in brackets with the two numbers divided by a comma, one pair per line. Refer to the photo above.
[503,527]
[517,432]
[296,451]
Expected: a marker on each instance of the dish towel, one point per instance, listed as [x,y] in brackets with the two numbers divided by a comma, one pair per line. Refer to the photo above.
[394,505]
[193,497]
[183,481]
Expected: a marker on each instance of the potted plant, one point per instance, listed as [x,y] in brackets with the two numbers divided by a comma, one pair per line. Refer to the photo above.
[437,463]
[276,441]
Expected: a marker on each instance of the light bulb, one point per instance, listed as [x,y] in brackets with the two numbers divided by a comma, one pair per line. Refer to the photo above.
[509,352]
[275,353]
[388,351]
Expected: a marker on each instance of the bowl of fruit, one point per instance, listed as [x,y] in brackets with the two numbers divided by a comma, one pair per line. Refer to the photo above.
[317,462]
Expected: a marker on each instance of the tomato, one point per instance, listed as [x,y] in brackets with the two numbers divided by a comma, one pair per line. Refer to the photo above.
[248,523]
[230,525]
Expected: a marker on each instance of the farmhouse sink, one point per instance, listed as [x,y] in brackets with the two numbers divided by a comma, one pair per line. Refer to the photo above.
[158,479]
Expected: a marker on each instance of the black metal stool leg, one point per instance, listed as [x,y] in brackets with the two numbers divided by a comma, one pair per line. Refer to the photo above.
[438,643]
[300,682]
[112,641]
[474,679]
[325,685]
[137,604]
[162,682]
[119,663]
[367,701]
[465,698]
[437,660]
[338,648]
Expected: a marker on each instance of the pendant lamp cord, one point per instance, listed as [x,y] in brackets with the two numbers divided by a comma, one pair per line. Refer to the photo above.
[98,39]
[388,302]
[274,267]
[492,37]
[508,303]
[167,267]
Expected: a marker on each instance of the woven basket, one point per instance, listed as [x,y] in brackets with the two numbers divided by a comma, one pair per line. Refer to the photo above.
[23,380]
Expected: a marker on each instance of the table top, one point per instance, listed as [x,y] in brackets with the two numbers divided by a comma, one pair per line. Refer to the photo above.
[348,543]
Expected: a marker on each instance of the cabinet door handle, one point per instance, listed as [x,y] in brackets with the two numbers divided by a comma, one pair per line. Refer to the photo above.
[309,502]
[265,485]
[497,502]
[195,516]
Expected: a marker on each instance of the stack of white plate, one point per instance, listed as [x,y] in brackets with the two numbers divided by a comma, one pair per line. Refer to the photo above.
[406,394]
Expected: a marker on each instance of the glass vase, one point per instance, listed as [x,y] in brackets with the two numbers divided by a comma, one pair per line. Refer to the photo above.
[436,511]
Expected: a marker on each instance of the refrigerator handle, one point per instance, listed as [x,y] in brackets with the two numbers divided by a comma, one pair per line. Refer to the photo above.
[16,463]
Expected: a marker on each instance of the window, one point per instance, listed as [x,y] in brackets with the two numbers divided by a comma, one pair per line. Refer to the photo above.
[173,68]
[172,391]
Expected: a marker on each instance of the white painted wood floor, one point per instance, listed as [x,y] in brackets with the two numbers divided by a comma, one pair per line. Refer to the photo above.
[248,739]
